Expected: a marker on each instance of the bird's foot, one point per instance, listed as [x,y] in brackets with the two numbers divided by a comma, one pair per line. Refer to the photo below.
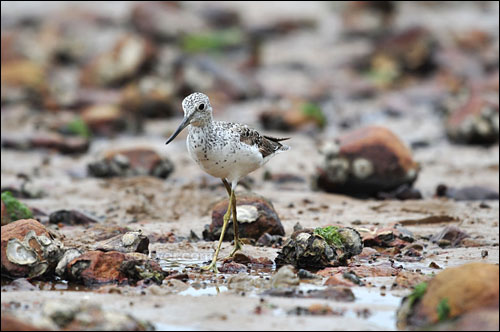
[237,246]
[212,267]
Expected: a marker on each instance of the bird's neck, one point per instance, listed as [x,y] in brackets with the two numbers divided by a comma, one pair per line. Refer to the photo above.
[203,122]
[201,128]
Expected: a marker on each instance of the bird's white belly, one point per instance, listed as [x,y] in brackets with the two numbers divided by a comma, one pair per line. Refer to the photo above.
[229,161]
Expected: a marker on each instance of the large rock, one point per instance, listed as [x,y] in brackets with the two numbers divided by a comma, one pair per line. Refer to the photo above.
[323,247]
[364,162]
[474,122]
[97,267]
[131,162]
[29,250]
[453,293]
[256,216]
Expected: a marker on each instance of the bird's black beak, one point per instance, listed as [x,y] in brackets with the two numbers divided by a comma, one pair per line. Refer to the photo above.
[183,125]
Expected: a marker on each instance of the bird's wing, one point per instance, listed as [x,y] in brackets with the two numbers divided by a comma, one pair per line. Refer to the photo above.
[267,145]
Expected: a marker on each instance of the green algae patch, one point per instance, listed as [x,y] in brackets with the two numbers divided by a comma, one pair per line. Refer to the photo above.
[417,293]
[15,210]
[78,127]
[331,235]
[212,40]
[313,111]
[443,310]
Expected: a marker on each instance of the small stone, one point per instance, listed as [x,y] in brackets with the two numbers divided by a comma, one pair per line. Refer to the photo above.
[304,274]
[71,217]
[434,265]
[338,280]
[472,193]
[449,236]
[232,267]
[285,277]
[126,243]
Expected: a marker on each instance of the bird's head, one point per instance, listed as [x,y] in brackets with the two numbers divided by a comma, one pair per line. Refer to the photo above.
[197,111]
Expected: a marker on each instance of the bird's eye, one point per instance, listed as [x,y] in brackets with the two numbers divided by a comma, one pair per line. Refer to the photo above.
[201,107]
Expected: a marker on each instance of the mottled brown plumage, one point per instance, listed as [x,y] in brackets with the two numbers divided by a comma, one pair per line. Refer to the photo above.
[267,145]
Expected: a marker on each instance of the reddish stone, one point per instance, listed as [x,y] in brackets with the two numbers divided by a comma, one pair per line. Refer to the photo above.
[232,267]
[467,288]
[97,267]
[242,258]
[366,161]
[263,261]
[18,230]
[378,144]
[248,260]
[267,220]
[338,280]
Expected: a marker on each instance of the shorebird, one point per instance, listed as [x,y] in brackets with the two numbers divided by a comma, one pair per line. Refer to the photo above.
[225,150]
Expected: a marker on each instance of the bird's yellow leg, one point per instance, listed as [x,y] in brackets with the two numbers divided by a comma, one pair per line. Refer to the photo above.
[237,242]
[213,266]
[232,196]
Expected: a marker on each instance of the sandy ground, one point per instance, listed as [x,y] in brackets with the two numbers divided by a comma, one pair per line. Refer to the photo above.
[183,201]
